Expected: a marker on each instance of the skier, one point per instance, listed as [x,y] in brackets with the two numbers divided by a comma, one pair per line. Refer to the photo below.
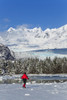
[24,77]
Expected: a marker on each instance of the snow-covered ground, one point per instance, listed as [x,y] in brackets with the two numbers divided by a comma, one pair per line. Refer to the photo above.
[43,91]
[33,77]
[33,90]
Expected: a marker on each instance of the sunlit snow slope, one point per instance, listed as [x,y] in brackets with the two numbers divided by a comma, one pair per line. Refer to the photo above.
[24,39]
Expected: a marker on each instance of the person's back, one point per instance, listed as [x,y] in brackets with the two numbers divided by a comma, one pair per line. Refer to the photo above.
[24,76]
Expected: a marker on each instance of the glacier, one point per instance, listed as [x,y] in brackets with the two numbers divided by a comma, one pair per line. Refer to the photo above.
[42,54]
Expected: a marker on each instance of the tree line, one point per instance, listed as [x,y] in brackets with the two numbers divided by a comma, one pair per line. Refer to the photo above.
[34,66]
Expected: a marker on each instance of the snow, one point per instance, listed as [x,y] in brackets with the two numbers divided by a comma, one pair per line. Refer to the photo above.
[1,40]
[46,91]
[34,76]
[25,39]
[40,55]
[33,90]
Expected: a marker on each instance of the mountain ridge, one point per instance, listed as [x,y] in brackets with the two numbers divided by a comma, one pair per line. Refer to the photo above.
[23,39]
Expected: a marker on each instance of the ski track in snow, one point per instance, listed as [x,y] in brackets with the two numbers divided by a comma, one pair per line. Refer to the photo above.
[47,91]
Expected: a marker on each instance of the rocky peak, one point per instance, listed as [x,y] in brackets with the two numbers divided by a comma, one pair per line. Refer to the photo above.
[5,53]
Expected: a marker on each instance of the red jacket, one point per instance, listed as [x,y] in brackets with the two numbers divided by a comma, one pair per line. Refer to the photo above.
[24,76]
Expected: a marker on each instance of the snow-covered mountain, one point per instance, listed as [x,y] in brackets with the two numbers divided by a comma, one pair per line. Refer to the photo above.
[24,39]
[5,53]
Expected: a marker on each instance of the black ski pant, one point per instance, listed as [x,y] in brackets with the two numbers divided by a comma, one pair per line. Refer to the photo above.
[24,81]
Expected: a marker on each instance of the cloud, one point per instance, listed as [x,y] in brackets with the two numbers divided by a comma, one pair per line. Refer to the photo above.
[2,40]
[24,26]
[6,20]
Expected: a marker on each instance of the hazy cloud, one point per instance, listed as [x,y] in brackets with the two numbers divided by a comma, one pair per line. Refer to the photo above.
[6,20]
[24,26]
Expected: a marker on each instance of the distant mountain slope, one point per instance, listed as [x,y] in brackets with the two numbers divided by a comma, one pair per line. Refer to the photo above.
[5,53]
[24,39]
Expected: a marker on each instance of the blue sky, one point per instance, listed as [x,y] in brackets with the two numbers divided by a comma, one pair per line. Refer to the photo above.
[33,13]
